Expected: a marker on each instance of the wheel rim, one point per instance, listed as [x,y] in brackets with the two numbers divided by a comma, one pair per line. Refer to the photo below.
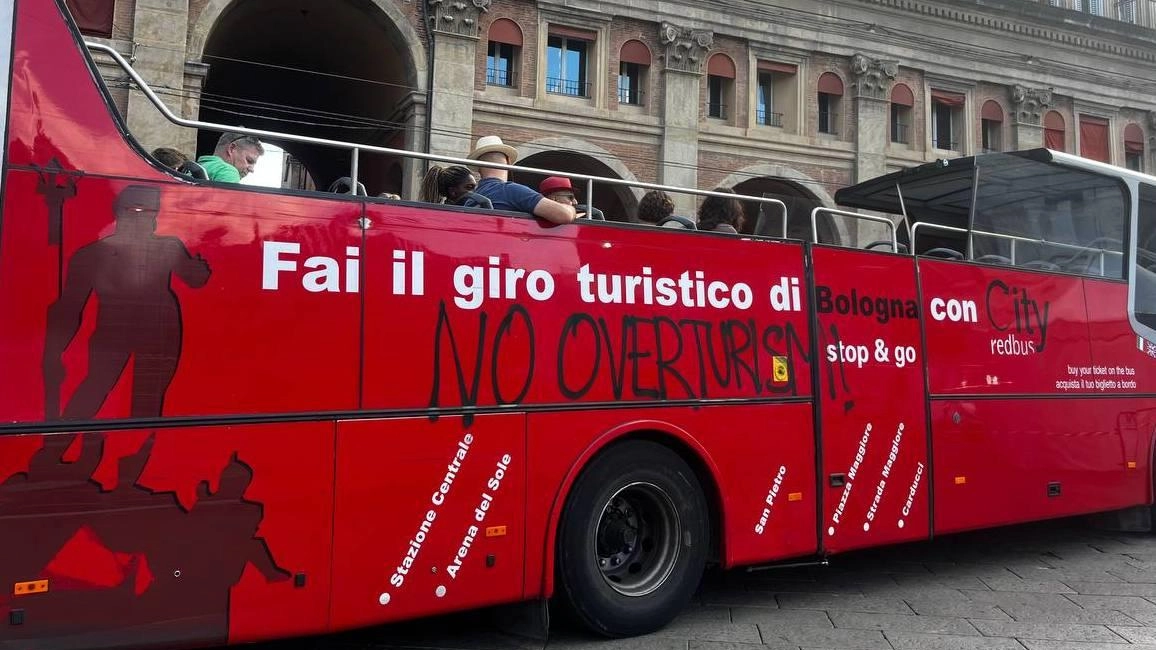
[637,539]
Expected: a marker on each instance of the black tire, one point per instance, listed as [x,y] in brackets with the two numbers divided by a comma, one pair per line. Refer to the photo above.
[633,539]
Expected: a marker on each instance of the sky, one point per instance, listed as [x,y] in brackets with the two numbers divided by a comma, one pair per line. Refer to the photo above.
[268,171]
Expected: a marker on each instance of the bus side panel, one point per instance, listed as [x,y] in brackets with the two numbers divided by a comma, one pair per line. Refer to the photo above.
[1015,460]
[59,118]
[429,516]
[185,301]
[873,416]
[1120,355]
[1000,331]
[1017,338]
[1124,364]
[760,456]
[170,537]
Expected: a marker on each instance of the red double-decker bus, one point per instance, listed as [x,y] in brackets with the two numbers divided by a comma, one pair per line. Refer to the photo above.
[230,414]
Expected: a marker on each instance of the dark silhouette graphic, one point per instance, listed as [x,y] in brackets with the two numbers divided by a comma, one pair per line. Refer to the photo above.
[138,314]
[127,563]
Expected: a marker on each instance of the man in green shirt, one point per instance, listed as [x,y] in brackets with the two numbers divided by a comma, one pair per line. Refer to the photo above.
[233,159]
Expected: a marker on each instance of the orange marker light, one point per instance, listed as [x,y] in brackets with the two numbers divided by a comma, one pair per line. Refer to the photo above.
[795,496]
[960,480]
[32,587]
[495,531]
[1131,464]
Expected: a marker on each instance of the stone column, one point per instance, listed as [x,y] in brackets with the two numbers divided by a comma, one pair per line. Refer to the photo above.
[159,35]
[870,90]
[1150,163]
[412,168]
[454,28]
[1028,108]
[685,54]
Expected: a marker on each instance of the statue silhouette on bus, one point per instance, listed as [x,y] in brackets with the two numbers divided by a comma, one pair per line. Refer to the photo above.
[138,314]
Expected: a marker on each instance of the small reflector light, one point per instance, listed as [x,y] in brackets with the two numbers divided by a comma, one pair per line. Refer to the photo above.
[495,531]
[780,371]
[795,496]
[960,480]
[32,587]
[1131,464]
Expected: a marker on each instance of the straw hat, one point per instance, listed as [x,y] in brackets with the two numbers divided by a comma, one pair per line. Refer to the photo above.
[489,143]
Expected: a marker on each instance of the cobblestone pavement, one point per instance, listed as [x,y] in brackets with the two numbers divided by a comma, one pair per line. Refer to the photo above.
[1051,586]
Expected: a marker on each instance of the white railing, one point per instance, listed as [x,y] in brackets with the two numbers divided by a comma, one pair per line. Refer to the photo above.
[1101,253]
[355,149]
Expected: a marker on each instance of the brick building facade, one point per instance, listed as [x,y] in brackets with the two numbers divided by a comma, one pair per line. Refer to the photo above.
[794,98]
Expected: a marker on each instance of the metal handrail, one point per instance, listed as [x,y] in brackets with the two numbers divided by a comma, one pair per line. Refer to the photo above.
[853,215]
[355,148]
[1101,252]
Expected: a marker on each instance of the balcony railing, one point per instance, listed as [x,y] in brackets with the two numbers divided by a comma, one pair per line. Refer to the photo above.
[499,77]
[945,144]
[900,133]
[768,119]
[828,123]
[632,96]
[571,87]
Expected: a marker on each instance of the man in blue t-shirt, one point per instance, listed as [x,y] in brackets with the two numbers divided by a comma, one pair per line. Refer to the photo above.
[513,196]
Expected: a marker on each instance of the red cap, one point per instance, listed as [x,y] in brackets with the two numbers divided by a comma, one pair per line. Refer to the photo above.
[555,184]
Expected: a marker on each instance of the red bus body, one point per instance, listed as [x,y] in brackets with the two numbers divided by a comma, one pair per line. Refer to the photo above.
[287,424]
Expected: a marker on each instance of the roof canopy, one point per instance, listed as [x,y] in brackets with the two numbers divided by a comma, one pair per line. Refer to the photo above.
[942,192]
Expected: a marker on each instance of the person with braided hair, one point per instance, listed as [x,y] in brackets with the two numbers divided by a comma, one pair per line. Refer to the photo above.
[453,185]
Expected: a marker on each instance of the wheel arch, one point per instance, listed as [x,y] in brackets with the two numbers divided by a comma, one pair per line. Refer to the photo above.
[673,437]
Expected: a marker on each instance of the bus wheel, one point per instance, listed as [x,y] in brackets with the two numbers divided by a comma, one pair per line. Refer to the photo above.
[633,541]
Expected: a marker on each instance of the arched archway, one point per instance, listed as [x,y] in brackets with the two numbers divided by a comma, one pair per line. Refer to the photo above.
[801,193]
[335,69]
[618,203]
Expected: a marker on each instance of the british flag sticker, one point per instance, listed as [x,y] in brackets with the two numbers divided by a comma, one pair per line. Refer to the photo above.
[1146,346]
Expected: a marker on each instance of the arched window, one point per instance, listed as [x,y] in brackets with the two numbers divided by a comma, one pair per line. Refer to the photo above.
[991,120]
[830,96]
[947,119]
[633,70]
[1094,138]
[720,82]
[902,105]
[503,54]
[775,94]
[1054,132]
[1134,147]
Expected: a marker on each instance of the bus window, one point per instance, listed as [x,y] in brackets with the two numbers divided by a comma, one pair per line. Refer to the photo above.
[1048,216]
[1142,292]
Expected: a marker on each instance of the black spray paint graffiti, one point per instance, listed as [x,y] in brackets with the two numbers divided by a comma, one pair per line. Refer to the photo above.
[835,372]
[643,358]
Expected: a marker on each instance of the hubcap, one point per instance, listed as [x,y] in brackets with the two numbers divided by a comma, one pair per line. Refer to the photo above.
[637,539]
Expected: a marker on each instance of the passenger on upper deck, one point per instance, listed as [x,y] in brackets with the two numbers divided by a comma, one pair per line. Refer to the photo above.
[170,158]
[657,208]
[513,196]
[233,159]
[558,188]
[721,215]
[453,185]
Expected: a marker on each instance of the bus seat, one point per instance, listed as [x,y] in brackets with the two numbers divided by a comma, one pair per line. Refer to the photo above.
[343,185]
[1043,265]
[190,168]
[994,259]
[943,253]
